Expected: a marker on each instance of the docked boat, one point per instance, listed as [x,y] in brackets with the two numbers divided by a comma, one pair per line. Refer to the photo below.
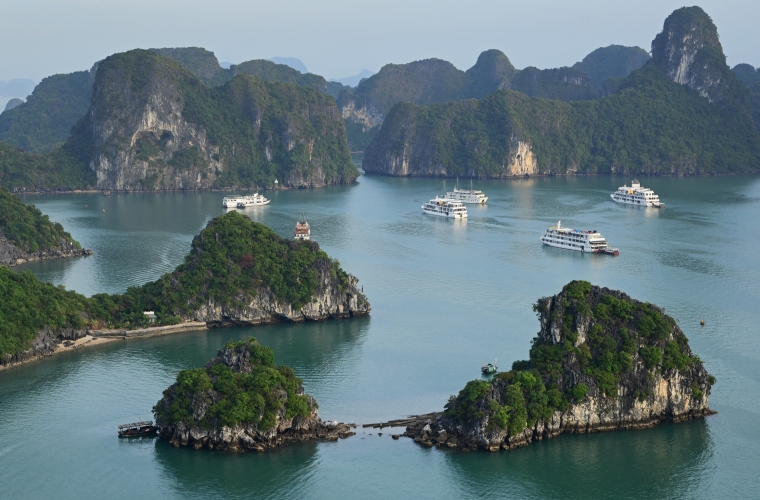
[303,231]
[138,429]
[471,196]
[489,368]
[575,239]
[637,195]
[244,201]
[444,207]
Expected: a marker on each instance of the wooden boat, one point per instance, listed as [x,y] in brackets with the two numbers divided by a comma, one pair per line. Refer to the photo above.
[138,429]
[489,368]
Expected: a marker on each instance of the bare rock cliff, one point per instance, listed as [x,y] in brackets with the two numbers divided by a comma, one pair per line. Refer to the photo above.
[688,50]
[330,302]
[277,410]
[601,362]
[11,255]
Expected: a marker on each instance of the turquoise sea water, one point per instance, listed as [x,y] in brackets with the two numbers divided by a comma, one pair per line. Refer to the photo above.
[446,297]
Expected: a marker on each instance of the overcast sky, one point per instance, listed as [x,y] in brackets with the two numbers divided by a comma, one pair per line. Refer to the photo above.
[337,38]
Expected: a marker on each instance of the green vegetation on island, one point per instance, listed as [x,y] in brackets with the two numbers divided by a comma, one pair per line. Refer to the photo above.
[255,132]
[615,61]
[27,228]
[230,262]
[44,121]
[29,305]
[651,125]
[251,392]
[204,64]
[598,351]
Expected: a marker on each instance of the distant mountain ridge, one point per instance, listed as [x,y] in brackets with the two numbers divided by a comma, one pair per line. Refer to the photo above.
[683,112]
[154,125]
[17,87]
[434,81]
[44,121]
[614,61]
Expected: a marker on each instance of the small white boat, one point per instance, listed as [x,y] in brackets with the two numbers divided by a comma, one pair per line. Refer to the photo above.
[245,201]
[471,196]
[575,239]
[637,195]
[444,207]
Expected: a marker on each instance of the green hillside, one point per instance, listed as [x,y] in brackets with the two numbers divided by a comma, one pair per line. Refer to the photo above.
[44,121]
[26,227]
[652,125]
[230,260]
[615,61]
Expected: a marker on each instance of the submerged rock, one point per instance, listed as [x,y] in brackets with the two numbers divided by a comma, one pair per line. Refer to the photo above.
[602,361]
[241,401]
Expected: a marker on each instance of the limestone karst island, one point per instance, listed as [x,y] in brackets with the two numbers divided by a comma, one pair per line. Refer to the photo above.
[400,250]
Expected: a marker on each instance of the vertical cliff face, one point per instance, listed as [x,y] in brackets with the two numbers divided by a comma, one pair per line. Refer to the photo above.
[688,50]
[138,130]
[428,141]
[601,361]
[154,125]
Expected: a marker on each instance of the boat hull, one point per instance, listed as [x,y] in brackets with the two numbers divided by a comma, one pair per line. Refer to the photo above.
[449,215]
[637,203]
[245,205]
[141,432]
[582,249]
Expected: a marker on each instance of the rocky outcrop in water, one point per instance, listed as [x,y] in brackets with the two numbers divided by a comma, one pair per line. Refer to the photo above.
[330,301]
[240,401]
[602,361]
[11,255]
[44,344]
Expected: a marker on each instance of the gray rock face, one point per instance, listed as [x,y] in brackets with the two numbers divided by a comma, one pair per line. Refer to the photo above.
[126,120]
[44,344]
[645,397]
[151,129]
[688,50]
[11,255]
[247,437]
[411,140]
[329,302]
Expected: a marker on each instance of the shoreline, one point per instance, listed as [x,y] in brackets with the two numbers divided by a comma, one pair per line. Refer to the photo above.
[20,261]
[99,337]
[21,191]
[567,174]
[151,331]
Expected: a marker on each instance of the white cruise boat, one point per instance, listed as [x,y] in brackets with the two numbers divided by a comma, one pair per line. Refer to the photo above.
[471,196]
[244,201]
[637,195]
[575,239]
[444,207]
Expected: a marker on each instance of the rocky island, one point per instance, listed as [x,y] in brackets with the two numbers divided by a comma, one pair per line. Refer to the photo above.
[684,112]
[26,235]
[241,401]
[238,272]
[602,361]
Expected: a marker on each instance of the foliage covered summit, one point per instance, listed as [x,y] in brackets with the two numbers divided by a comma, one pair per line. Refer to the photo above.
[230,261]
[603,337]
[251,392]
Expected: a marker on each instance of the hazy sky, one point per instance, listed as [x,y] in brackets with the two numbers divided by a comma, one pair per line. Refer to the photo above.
[337,38]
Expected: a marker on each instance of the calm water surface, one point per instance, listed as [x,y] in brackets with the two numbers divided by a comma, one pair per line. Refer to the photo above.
[446,297]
